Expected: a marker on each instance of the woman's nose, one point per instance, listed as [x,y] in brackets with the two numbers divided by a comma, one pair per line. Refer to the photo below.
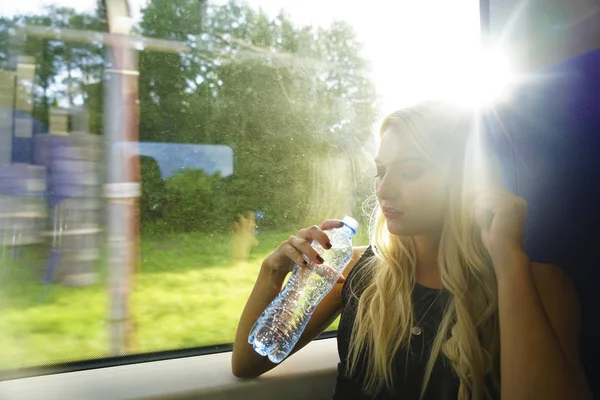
[387,189]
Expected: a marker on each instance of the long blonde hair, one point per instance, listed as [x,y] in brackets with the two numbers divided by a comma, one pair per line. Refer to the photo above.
[468,335]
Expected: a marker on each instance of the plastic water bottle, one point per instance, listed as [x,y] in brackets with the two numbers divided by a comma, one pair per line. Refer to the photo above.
[279,327]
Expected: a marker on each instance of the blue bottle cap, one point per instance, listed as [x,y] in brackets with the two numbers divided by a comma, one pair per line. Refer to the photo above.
[350,223]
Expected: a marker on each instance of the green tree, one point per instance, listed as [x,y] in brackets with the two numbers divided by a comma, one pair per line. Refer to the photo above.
[293,102]
[67,73]
[277,94]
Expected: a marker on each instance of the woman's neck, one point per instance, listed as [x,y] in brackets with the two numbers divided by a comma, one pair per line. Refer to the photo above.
[428,272]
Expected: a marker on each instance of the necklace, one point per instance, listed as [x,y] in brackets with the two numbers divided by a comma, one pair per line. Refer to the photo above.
[416,329]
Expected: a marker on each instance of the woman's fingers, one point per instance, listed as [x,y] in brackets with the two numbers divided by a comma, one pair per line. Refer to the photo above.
[302,245]
[293,253]
[298,248]
[316,233]
[331,224]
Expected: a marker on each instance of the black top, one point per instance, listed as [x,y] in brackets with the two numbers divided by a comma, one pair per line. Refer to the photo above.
[409,365]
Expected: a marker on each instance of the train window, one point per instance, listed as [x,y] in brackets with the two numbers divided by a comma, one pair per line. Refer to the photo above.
[153,152]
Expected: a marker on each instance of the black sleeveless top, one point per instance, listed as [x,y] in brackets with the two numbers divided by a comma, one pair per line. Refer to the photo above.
[409,366]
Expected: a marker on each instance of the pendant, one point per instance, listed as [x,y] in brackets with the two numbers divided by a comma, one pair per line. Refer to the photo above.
[416,330]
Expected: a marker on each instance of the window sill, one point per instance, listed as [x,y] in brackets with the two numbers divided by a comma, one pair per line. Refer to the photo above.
[310,373]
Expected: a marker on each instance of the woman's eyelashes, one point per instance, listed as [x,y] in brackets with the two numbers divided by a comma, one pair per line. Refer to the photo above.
[408,173]
[412,173]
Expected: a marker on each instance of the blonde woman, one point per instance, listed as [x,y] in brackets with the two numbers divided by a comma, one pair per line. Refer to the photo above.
[444,303]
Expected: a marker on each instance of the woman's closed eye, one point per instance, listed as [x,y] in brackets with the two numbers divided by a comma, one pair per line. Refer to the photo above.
[412,173]
[408,173]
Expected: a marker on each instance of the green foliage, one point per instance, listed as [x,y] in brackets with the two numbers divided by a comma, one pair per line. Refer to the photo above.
[294,104]
[67,73]
[187,295]
[287,99]
[192,202]
[310,100]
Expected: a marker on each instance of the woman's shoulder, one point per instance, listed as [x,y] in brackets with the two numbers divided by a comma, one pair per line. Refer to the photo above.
[357,254]
[358,251]
[558,295]
[554,286]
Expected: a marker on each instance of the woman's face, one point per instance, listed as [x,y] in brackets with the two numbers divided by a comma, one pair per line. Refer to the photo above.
[411,191]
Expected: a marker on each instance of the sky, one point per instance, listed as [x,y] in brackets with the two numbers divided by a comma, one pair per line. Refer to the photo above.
[412,46]
[173,158]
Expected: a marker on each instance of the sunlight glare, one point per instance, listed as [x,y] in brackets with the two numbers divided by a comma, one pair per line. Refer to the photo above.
[478,80]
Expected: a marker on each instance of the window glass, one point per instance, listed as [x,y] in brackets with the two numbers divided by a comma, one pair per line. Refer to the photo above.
[150,161]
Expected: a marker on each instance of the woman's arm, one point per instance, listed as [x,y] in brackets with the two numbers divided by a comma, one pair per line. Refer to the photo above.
[539,332]
[538,309]
[245,362]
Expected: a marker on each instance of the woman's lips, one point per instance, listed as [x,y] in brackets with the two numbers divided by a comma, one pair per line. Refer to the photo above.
[391,213]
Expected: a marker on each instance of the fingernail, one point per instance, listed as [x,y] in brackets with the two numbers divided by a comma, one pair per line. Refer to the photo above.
[320,259]
[328,245]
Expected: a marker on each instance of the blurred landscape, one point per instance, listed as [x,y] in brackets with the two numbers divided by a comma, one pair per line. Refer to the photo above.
[257,116]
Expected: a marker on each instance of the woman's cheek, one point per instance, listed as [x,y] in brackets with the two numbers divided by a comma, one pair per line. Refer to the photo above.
[427,195]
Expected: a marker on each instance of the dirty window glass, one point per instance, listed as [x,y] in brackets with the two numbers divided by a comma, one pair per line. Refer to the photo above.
[152,155]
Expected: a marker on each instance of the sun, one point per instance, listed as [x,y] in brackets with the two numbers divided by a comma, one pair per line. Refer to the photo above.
[480,80]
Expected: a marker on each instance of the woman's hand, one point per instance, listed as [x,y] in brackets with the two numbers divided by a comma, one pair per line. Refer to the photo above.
[291,251]
[501,218]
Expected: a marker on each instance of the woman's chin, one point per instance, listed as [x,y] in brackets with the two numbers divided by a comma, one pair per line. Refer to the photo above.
[396,228]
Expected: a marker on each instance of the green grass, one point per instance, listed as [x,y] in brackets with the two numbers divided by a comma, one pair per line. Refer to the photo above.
[187,294]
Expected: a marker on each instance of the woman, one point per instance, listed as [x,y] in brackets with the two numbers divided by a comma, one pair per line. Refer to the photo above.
[445,301]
